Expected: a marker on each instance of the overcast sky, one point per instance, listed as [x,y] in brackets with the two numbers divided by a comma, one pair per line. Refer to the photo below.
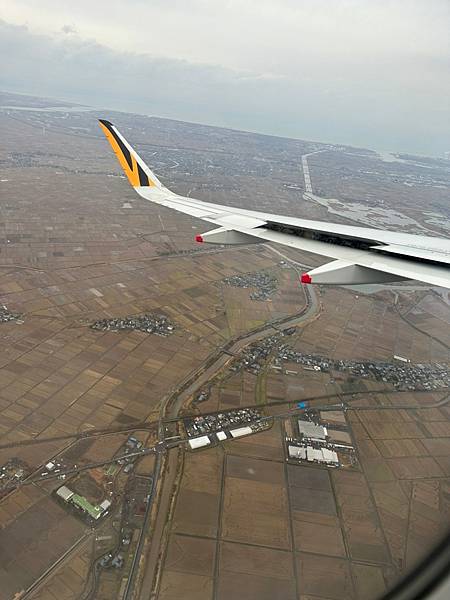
[374,73]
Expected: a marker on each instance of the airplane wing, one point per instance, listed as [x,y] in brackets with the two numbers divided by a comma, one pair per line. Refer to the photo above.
[360,254]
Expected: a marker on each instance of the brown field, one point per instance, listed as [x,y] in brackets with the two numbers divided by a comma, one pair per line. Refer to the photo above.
[251,587]
[68,580]
[175,585]
[364,534]
[319,497]
[254,572]
[391,448]
[415,468]
[357,326]
[197,513]
[324,576]
[263,445]
[369,581]
[256,512]
[254,470]
[255,503]
[197,510]
[191,555]
[36,539]
[318,533]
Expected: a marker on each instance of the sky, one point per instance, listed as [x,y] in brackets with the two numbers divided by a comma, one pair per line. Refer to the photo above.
[371,73]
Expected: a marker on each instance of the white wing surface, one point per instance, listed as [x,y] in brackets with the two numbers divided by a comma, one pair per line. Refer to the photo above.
[360,254]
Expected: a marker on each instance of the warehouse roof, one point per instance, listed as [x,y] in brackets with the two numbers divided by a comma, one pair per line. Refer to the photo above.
[241,431]
[199,442]
[64,493]
[93,511]
[311,430]
[297,452]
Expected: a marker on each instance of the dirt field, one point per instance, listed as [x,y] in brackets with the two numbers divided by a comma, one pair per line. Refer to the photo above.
[324,577]
[256,512]
[264,445]
[197,509]
[191,555]
[175,585]
[37,539]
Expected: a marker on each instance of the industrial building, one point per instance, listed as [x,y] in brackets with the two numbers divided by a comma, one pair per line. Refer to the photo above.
[221,436]
[330,456]
[319,437]
[240,431]
[298,452]
[70,497]
[81,502]
[199,442]
[322,455]
[105,505]
[313,454]
[402,359]
[64,493]
[310,430]
[319,455]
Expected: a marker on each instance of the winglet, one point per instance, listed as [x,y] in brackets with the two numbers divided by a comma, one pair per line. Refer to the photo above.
[139,175]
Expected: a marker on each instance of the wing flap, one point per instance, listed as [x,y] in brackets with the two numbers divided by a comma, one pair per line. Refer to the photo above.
[399,267]
[342,272]
[429,254]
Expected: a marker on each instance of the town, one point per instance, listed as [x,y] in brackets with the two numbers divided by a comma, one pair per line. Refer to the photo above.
[402,375]
[6,315]
[149,323]
[264,283]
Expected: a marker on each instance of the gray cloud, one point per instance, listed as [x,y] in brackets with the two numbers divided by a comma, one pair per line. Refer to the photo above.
[68,29]
[404,109]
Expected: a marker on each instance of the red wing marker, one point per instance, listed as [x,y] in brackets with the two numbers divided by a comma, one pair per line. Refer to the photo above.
[305,278]
[199,239]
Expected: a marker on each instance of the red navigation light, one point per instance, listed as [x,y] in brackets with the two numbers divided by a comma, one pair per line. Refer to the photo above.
[199,239]
[305,278]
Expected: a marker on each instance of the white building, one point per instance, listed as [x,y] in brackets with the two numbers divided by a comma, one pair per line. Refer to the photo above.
[401,359]
[330,457]
[311,430]
[64,493]
[199,442]
[313,454]
[221,436]
[105,505]
[241,431]
[50,466]
[297,452]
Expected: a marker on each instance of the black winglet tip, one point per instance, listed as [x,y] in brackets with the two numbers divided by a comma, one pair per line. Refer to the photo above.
[106,123]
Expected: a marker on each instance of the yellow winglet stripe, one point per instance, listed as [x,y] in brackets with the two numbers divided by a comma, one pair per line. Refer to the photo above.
[134,172]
